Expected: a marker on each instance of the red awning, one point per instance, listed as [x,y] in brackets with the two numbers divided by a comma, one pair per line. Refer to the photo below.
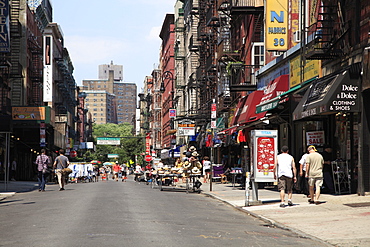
[238,111]
[275,88]
[248,113]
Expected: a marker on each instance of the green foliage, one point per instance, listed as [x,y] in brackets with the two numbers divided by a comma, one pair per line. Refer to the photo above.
[130,145]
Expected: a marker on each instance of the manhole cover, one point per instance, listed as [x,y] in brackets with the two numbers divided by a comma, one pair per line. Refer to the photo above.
[358,205]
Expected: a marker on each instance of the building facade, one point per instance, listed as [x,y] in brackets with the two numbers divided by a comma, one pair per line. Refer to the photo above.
[124,95]
[117,71]
[299,68]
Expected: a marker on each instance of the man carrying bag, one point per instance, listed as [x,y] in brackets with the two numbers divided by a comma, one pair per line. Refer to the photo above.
[60,163]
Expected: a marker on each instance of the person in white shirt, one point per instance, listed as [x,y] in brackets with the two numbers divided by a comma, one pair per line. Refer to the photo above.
[303,182]
[286,172]
[206,169]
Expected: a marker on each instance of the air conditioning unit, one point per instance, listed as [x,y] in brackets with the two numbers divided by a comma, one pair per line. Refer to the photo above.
[297,36]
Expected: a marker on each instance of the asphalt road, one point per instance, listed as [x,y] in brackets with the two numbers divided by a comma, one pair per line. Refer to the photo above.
[110,213]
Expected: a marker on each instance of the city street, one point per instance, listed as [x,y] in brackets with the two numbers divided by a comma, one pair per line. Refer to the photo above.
[113,213]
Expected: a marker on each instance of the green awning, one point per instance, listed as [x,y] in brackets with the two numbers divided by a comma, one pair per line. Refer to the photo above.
[274,102]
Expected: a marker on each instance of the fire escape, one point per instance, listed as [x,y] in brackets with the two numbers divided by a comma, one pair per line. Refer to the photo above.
[326,37]
[35,71]
[191,21]
[236,64]
[207,73]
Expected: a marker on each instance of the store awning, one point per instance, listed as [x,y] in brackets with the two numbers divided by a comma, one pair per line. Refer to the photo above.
[228,131]
[335,93]
[274,102]
[238,111]
[248,113]
[275,88]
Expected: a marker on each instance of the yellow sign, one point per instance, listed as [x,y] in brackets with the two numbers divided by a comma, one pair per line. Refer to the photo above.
[28,113]
[276,25]
[311,69]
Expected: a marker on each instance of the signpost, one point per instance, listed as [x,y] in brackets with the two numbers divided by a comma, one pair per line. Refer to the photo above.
[73,154]
[148,158]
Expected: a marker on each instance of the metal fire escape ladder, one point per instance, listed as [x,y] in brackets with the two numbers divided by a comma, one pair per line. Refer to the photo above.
[16,69]
[325,35]
[35,71]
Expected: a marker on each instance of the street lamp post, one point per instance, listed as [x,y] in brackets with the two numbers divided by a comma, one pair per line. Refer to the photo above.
[168,76]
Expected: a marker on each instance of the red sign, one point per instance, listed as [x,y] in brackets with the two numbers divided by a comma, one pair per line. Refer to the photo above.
[213,110]
[73,154]
[148,158]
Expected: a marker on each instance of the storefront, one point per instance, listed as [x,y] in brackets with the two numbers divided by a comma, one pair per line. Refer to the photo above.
[328,114]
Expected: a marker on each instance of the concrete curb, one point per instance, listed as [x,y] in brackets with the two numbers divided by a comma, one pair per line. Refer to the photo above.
[5,195]
[270,222]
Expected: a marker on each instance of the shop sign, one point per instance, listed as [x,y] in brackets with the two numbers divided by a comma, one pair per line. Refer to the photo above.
[28,113]
[316,138]
[346,99]
[4,26]
[108,141]
[48,69]
[172,113]
[113,156]
[277,25]
[312,69]
[186,127]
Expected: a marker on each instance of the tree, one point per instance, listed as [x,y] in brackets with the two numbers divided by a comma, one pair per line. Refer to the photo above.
[130,145]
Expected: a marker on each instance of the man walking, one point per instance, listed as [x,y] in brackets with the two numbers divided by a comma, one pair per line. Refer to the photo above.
[60,163]
[286,171]
[42,162]
[314,166]
[303,183]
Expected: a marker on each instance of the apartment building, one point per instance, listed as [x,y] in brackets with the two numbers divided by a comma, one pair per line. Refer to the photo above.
[123,94]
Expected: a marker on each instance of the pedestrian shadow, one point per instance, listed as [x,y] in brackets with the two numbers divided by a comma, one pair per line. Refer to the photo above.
[4,202]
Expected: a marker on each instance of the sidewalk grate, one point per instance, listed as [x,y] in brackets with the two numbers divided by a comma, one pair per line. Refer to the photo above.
[358,205]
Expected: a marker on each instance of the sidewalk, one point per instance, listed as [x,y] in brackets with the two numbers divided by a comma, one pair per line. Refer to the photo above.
[341,220]
[13,187]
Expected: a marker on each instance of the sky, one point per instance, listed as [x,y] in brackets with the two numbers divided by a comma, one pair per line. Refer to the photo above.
[123,31]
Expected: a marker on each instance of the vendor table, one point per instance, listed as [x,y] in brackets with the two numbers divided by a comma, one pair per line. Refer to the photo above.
[160,179]
[192,183]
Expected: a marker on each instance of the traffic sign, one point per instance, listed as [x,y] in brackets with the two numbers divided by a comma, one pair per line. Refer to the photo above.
[148,158]
[73,154]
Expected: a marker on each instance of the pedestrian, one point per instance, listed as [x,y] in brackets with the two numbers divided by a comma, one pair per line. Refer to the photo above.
[124,169]
[42,162]
[206,169]
[328,183]
[160,164]
[13,169]
[285,171]
[303,181]
[116,170]
[138,172]
[60,163]
[314,166]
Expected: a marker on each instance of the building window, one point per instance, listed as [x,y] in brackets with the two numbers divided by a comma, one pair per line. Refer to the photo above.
[258,54]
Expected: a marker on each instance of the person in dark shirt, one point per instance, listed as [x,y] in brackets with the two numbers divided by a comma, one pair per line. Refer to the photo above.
[327,154]
[60,163]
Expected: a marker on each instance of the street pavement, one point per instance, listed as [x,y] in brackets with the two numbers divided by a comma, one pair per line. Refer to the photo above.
[340,220]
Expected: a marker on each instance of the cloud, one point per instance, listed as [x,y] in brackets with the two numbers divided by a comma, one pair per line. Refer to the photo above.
[93,50]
